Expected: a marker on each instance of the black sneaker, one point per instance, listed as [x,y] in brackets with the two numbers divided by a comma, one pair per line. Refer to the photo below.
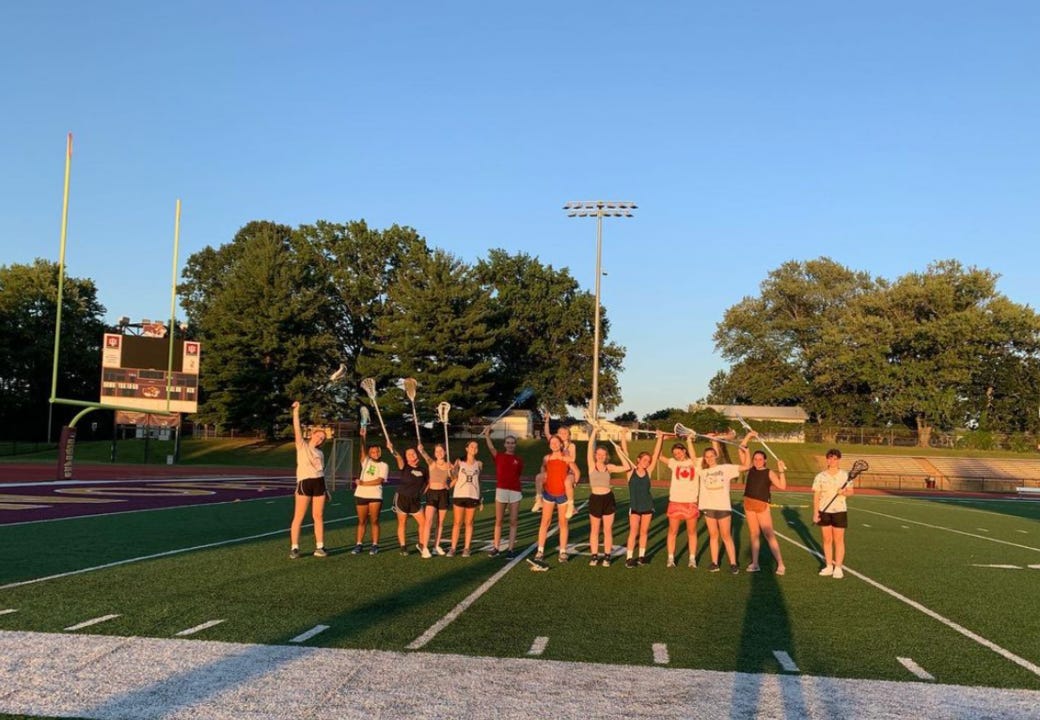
[594,561]
[630,563]
[294,553]
[734,570]
[643,560]
[493,552]
[511,555]
[404,551]
[714,567]
[320,552]
[605,562]
[358,549]
[374,550]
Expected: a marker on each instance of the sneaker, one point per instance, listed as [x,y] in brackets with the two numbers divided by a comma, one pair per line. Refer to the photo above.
[426,554]
[404,550]
[493,552]
[539,556]
[563,557]
[451,552]
[438,550]
[693,563]
[827,571]
[752,568]
[320,552]
[605,562]
[734,570]
[643,560]
[537,565]
[838,574]
[714,567]
[294,553]
[569,512]
[357,549]
[511,555]
[594,561]
[670,563]
[630,563]
[465,552]
[374,550]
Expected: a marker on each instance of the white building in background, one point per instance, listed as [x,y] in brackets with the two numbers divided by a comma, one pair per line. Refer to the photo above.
[519,423]
[796,416]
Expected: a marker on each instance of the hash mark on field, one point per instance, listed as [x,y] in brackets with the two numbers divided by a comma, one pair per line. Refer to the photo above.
[982,529]
[787,664]
[94,621]
[1034,567]
[865,525]
[1024,532]
[905,527]
[304,637]
[8,611]
[538,646]
[997,565]
[660,653]
[198,628]
[915,668]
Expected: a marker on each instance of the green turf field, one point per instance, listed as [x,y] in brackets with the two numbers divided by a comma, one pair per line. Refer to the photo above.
[948,584]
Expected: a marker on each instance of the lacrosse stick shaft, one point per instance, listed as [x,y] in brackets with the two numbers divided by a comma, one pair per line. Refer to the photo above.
[835,496]
[764,445]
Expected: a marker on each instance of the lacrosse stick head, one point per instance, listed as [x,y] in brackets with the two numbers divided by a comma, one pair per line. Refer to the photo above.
[681,431]
[523,396]
[442,412]
[339,374]
[369,386]
[365,417]
[742,421]
[410,386]
[858,468]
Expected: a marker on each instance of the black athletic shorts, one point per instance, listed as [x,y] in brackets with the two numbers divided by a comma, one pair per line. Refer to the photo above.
[717,514]
[465,502]
[838,520]
[438,498]
[600,505]
[407,504]
[311,487]
[367,501]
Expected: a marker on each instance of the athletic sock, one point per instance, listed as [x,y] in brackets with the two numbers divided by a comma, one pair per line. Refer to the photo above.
[642,552]
[671,558]
[629,554]
[541,549]
[294,547]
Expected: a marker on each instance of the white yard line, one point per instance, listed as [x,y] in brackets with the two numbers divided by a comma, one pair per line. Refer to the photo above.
[8,611]
[154,556]
[538,646]
[915,669]
[989,644]
[660,651]
[198,628]
[92,621]
[786,662]
[304,637]
[947,529]
[107,677]
[998,565]
[432,631]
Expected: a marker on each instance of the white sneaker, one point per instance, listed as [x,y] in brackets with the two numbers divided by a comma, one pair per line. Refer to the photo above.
[693,563]
[439,550]
[827,571]
[671,562]
[569,512]
[837,574]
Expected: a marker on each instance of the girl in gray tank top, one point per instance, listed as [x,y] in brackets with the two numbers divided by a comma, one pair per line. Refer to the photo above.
[602,505]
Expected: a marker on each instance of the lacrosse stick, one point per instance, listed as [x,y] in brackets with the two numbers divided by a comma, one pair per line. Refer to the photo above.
[598,427]
[410,386]
[682,431]
[365,417]
[858,468]
[369,386]
[442,414]
[751,429]
[334,378]
[524,395]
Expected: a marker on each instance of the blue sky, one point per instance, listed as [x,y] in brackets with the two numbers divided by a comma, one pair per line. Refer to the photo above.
[886,135]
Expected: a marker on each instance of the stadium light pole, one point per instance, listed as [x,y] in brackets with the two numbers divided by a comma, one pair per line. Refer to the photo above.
[598,209]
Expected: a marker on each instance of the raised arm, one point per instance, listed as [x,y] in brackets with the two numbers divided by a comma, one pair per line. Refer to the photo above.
[657,451]
[745,454]
[590,454]
[490,443]
[397,456]
[779,476]
[297,430]
[423,455]
[545,429]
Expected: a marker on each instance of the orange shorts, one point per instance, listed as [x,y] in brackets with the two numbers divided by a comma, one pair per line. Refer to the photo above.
[756,506]
[683,511]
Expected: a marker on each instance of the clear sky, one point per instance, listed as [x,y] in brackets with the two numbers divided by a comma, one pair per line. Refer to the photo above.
[885,135]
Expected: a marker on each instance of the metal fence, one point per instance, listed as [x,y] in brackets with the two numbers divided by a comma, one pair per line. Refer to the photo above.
[24,447]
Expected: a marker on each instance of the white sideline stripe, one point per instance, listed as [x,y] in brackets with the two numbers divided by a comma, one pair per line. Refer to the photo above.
[432,631]
[660,653]
[167,553]
[304,637]
[787,663]
[1024,532]
[1007,654]
[8,611]
[198,628]
[940,527]
[1034,567]
[93,621]
[998,565]
[538,646]
[915,668]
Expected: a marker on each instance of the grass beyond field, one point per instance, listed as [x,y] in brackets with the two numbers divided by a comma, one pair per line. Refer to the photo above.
[947,585]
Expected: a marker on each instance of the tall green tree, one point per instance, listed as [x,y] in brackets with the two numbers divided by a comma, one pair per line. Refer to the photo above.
[28,299]
[436,330]
[544,322]
[260,310]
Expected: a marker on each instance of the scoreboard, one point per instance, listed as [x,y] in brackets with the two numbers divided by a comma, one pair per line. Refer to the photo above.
[134,373]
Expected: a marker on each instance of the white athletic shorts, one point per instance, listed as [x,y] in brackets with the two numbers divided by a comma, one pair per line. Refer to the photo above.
[508,496]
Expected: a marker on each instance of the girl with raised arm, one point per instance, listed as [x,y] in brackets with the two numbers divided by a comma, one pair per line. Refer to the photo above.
[757,486]
[602,504]
[408,498]
[555,467]
[310,486]
[641,503]
[715,501]
[437,494]
[682,499]
[368,493]
[465,497]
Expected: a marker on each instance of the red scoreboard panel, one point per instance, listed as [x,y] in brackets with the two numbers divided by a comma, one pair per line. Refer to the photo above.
[134,369]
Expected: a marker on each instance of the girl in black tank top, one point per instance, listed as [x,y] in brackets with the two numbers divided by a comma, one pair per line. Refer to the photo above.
[757,494]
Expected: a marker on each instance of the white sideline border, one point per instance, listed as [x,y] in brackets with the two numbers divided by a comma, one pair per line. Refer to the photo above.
[109,677]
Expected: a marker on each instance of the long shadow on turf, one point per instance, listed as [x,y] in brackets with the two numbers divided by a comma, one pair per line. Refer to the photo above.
[793,520]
